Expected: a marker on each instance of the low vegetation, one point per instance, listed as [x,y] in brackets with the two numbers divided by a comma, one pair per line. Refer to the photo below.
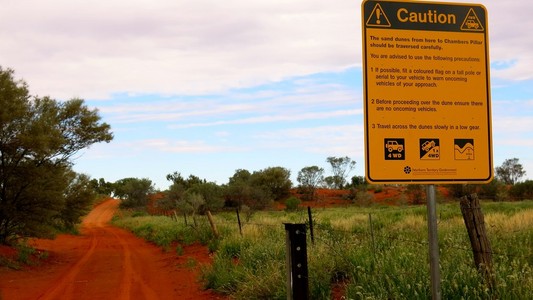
[365,252]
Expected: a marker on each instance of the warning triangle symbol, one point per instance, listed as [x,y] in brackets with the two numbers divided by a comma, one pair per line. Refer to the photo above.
[471,22]
[378,18]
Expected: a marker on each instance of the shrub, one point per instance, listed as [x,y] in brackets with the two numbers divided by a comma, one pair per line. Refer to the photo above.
[494,190]
[363,198]
[292,203]
[522,190]
[416,193]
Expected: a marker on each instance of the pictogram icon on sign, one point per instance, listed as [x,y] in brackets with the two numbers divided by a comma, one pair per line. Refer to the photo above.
[378,18]
[464,149]
[471,22]
[394,149]
[429,149]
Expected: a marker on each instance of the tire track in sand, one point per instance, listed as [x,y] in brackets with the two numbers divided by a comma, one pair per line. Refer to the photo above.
[97,218]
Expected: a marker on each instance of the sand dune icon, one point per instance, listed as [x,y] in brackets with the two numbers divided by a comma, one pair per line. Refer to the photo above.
[465,152]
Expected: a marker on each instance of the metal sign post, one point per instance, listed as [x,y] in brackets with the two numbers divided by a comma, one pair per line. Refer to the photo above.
[433,242]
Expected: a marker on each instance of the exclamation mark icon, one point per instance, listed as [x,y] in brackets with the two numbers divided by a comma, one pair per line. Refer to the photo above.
[378,15]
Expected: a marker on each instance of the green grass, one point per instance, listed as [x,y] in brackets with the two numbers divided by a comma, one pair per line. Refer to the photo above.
[390,264]
[162,230]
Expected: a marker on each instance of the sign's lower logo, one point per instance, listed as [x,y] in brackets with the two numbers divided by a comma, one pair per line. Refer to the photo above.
[407,170]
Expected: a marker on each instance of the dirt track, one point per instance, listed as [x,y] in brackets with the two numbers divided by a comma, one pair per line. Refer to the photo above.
[106,262]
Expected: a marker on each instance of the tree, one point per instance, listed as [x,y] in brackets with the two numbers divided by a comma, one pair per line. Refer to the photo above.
[191,203]
[38,137]
[240,175]
[79,196]
[333,182]
[340,167]
[240,191]
[175,192]
[358,181]
[510,172]
[522,190]
[186,194]
[134,192]
[177,179]
[276,180]
[101,186]
[495,190]
[310,178]
[211,193]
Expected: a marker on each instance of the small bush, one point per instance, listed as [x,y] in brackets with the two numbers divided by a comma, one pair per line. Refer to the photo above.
[24,253]
[139,213]
[522,190]
[179,250]
[363,198]
[292,203]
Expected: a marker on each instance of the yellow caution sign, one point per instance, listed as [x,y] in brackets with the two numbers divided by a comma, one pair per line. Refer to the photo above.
[426,93]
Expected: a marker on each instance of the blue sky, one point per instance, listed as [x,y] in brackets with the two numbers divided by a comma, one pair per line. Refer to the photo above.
[208,87]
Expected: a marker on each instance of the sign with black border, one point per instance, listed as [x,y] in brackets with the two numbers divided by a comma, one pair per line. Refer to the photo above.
[426,92]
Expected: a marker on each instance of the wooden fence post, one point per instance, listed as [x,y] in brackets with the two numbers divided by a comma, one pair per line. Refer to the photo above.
[311,229]
[212,222]
[239,221]
[475,225]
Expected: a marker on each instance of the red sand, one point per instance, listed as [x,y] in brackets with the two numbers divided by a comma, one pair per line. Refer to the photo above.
[106,262]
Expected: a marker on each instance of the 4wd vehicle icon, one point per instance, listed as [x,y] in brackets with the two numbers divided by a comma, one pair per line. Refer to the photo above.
[393,146]
[471,24]
[428,145]
[394,149]
[429,148]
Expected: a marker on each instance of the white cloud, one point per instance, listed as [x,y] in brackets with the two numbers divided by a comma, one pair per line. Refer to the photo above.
[301,100]
[512,124]
[182,146]
[327,140]
[92,49]
[511,38]
[282,117]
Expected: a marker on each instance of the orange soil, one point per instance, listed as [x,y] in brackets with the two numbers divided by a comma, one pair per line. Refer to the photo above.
[389,195]
[106,262]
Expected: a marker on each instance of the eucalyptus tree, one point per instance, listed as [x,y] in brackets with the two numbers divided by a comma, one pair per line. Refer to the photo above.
[38,138]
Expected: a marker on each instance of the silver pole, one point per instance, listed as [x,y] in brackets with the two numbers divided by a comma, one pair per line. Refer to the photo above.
[433,242]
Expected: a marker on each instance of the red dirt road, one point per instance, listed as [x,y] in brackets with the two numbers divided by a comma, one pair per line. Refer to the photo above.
[106,262]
